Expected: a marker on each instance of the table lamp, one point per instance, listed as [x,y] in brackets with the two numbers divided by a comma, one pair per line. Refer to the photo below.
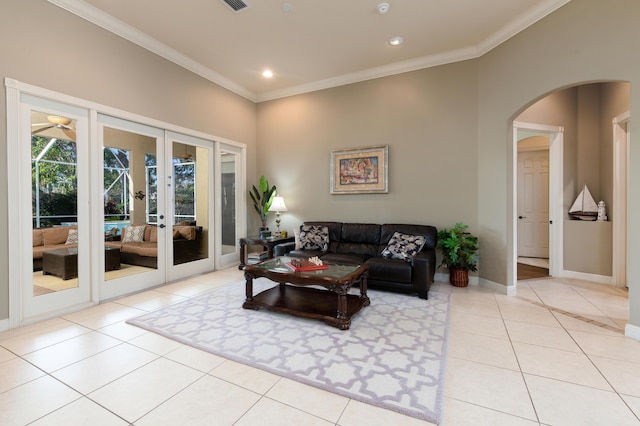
[277,205]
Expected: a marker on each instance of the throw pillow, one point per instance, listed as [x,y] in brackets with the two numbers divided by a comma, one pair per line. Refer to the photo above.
[313,237]
[72,236]
[133,234]
[296,237]
[403,246]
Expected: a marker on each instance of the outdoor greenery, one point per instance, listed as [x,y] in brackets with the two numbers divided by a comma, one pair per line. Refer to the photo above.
[55,184]
[54,181]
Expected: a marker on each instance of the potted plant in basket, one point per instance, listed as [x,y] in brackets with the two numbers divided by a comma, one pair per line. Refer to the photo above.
[459,253]
[262,198]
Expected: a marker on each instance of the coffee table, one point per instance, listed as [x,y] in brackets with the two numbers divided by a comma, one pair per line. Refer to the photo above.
[293,295]
[63,262]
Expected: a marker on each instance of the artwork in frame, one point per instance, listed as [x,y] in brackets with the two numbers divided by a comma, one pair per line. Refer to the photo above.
[360,170]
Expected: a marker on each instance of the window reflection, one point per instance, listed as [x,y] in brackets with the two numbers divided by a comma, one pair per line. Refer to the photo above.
[54,203]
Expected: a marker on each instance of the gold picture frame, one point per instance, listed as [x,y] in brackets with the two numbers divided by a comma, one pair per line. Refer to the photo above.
[360,170]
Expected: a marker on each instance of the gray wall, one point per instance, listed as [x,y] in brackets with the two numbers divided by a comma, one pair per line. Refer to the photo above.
[48,47]
[584,41]
[428,118]
[449,131]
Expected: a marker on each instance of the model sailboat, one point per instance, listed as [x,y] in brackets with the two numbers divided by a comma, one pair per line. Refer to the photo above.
[585,207]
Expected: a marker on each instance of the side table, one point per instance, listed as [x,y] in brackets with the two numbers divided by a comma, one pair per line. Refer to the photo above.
[269,243]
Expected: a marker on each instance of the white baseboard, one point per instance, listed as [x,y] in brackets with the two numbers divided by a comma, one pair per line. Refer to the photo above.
[475,280]
[4,324]
[600,279]
[498,288]
[632,331]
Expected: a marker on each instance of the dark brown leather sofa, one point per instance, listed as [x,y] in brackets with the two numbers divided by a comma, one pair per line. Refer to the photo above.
[355,243]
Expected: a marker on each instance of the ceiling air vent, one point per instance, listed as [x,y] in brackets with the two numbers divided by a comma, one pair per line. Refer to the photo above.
[236,5]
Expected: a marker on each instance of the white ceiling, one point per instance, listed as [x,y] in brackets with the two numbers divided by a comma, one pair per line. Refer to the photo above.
[310,44]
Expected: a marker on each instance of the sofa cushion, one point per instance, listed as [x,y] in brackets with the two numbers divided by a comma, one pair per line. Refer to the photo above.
[392,270]
[142,249]
[344,258]
[37,237]
[335,232]
[153,234]
[55,235]
[403,246]
[133,234]
[314,237]
[186,232]
[72,237]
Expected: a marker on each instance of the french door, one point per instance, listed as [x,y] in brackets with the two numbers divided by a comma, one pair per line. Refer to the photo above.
[56,268]
[159,182]
[82,173]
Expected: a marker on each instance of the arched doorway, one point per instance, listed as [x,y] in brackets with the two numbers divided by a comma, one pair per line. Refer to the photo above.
[585,113]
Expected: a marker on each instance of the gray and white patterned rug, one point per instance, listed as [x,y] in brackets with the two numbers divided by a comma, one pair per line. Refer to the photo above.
[393,356]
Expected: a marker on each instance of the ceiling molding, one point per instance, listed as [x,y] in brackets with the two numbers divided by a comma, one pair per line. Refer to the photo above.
[519,24]
[372,73]
[117,27]
[103,20]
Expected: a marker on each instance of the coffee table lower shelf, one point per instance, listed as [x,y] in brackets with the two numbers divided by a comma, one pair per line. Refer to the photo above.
[307,302]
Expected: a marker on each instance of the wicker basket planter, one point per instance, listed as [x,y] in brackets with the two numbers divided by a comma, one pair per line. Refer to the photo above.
[459,277]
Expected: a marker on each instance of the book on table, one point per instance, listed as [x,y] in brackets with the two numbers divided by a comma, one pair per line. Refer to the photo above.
[304,265]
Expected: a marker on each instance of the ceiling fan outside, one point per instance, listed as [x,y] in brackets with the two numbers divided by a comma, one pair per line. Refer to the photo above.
[55,121]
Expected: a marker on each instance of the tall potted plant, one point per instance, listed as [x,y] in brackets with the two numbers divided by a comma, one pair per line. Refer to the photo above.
[262,198]
[459,253]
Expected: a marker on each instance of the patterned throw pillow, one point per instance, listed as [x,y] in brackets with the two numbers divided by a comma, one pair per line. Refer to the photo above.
[403,246]
[314,237]
[133,234]
[72,236]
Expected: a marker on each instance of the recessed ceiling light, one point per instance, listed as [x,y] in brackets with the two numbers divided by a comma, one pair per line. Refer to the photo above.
[267,73]
[396,41]
[383,8]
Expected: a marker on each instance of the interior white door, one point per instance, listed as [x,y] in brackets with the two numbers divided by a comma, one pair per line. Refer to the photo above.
[533,203]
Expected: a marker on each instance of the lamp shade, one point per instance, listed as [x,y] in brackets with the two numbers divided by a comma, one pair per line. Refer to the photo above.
[277,205]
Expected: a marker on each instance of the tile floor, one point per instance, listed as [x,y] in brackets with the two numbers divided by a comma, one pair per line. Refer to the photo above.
[553,355]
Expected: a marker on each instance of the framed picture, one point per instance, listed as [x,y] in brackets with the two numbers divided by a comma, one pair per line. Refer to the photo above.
[360,171]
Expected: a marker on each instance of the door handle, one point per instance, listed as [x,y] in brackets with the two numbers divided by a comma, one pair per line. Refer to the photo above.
[522,217]
[161,226]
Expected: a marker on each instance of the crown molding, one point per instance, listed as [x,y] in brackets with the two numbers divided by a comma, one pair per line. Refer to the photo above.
[117,27]
[96,16]
[519,24]
[373,73]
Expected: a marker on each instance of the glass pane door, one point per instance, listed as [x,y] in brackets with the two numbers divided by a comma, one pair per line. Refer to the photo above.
[230,206]
[191,180]
[56,144]
[133,223]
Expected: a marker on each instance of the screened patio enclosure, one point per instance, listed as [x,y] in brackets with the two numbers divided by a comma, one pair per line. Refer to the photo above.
[54,181]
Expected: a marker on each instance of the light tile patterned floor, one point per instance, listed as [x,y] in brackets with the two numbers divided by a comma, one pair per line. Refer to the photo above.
[553,355]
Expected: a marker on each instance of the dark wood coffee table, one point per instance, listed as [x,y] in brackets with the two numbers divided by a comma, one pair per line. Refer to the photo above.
[334,305]
[63,262]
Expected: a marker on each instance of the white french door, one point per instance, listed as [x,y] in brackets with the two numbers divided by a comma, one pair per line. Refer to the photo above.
[83,172]
[133,159]
[54,153]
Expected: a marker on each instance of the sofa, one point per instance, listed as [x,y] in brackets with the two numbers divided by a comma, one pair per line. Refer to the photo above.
[45,239]
[356,243]
[139,244]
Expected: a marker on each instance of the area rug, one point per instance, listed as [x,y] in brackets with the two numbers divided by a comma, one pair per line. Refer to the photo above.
[393,356]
